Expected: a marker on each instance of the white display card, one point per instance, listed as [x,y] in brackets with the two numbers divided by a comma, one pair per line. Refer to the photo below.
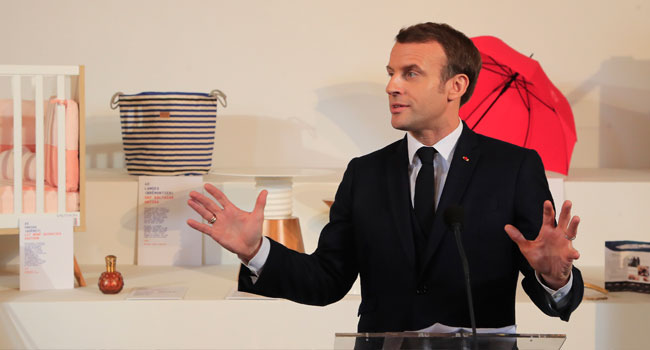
[164,238]
[46,252]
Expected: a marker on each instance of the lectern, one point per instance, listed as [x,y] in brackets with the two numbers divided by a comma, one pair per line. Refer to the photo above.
[448,341]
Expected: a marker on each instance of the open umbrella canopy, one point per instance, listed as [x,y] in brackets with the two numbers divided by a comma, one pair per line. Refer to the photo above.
[514,101]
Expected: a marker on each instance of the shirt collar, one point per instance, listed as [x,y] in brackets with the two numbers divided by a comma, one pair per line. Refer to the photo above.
[445,147]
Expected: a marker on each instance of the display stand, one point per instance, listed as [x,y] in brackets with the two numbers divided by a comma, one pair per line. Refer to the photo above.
[279,222]
[451,341]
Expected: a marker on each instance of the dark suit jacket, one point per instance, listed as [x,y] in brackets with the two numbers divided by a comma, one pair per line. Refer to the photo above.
[371,233]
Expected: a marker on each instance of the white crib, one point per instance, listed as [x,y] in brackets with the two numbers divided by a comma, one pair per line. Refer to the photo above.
[35,84]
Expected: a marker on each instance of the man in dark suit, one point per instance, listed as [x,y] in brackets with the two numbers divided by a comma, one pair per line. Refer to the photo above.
[387,225]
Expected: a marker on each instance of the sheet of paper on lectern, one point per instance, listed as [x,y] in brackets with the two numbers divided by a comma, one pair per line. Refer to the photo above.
[164,238]
[157,293]
[442,328]
[46,252]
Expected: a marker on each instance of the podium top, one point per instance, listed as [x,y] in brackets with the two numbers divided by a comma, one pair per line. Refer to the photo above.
[463,340]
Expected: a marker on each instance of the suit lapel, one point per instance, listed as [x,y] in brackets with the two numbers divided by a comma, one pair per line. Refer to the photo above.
[399,198]
[466,156]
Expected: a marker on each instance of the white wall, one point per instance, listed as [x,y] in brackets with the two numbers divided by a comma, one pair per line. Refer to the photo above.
[305,79]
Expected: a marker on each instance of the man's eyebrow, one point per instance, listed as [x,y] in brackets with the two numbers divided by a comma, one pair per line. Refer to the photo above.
[407,68]
[412,67]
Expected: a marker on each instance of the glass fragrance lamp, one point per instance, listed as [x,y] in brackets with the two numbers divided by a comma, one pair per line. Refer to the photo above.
[111,281]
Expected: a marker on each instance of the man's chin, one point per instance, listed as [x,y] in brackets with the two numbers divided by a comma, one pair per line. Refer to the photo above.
[396,123]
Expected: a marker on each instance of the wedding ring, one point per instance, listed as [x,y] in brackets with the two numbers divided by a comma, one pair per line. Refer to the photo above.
[569,238]
[214,218]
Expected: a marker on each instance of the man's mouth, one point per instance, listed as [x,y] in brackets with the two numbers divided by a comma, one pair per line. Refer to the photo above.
[397,107]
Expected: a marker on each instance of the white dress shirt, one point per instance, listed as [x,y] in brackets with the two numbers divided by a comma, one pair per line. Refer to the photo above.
[441,162]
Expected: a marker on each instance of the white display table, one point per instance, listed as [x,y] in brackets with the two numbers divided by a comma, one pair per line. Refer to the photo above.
[83,318]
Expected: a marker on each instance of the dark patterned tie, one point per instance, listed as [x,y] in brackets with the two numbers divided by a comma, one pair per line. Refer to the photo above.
[425,190]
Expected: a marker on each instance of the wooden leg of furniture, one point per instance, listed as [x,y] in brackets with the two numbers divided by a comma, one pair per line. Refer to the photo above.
[78,275]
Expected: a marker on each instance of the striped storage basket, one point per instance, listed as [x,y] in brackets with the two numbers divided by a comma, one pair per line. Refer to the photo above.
[168,133]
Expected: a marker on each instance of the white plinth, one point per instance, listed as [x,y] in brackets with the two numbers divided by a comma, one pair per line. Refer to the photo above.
[279,184]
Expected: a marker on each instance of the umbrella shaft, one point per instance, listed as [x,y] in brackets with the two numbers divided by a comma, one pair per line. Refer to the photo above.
[505,87]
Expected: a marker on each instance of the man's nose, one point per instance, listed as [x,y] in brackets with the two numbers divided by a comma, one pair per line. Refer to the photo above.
[394,87]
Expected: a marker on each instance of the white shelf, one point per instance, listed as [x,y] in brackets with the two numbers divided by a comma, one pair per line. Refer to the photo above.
[612,203]
[335,174]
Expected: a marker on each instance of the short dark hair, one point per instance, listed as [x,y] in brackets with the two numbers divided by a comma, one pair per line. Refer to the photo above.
[462,56]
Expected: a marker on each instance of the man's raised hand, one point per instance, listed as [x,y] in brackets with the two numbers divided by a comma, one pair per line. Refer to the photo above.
[551,254]
[236,230]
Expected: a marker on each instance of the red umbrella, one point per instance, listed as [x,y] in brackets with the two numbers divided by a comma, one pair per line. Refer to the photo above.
[514,101]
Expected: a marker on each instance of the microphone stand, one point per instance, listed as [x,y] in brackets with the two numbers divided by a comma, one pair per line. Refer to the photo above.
[463,257]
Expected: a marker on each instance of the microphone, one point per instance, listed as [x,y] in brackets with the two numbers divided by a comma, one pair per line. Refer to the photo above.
[454,217]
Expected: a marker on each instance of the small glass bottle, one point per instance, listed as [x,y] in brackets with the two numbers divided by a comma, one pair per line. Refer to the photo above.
[111,281]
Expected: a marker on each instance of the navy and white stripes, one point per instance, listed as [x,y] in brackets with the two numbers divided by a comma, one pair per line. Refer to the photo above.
[168,133]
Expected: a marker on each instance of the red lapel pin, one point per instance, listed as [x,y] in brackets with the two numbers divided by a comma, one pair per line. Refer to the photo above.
[465,158]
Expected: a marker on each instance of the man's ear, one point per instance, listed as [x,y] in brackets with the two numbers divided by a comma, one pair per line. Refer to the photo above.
[457,86]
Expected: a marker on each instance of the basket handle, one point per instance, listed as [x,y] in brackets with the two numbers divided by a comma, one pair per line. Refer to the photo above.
[217,94]
[220,96]
[115,100]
